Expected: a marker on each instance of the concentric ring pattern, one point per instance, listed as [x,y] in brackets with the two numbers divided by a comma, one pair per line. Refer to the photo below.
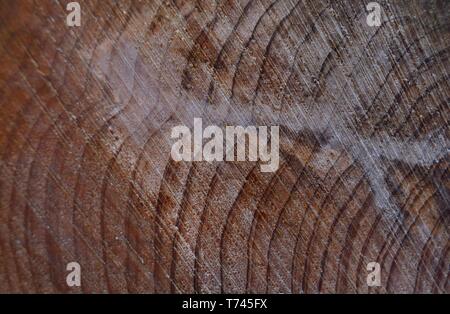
[86,175]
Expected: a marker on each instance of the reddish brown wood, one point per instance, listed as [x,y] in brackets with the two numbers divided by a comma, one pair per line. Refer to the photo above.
[86,173]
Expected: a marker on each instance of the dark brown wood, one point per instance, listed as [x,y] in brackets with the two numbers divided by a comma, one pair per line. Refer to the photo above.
[86,175]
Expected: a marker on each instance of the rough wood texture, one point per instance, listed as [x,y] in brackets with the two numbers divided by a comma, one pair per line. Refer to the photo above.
[86,173]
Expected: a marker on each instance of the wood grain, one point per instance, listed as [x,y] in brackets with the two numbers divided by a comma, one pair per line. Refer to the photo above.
[86,175]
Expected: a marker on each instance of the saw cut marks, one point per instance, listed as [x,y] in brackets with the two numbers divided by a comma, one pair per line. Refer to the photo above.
[85,137]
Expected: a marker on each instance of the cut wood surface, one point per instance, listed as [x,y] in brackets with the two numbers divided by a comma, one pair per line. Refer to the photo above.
[85,137]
